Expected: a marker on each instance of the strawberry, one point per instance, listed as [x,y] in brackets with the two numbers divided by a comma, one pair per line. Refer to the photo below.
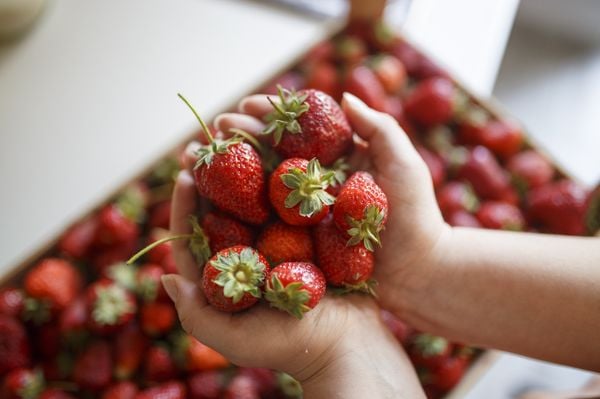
[435,164]
[192,355]
[503,137]
[148,284]
[14,345]
[106,257]
[78,240]
[60,367]
[160,215]
[529,169]
[320,52]
[361,210]
[500,216]
[230,174]
[486,176]
[22,383]
[157,318]
[280,242]
[323,77]
[54,393]
[431,102]
[429,350]
[457,196]
[309,124]
[12,301]
[350,49]
[417,65]
[401,330]
[393,106]
[232,278]
[559,207]
[265,380]
[75,316]
[297,190]
[295,287]
[363,83]
[242,387]
[159,364]
[129,351]
[160,252]
[167,390]
[110,306]
[224,231]
[447,374]
[121,390]
[291,79]
[53,280]
[390,71]
[206,385]
[93,367]
[462,218]
[47,340]
[343,266]
[289,386]
[115,228]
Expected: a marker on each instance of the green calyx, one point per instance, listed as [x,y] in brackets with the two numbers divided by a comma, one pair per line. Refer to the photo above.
[339,169]
[470,200]
[240,273]
[111,303]
[366,230]
[131,203]
[430,345]
[207,152]
[123,274]
[36,310]
[33,386]
[292,298]
[284,118]
[308,188]
[366,287]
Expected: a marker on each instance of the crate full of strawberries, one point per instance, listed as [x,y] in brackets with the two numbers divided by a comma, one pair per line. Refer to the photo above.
[285,218]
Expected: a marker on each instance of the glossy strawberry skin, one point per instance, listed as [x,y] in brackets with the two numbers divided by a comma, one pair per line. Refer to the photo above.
[114,228]
[341,264]
[14,344]
[500,216]
[312,279]
[364,84]
[121,390]
[157,318]
[55,280]
[391,73]
[93,367]
[235,183]
[167,390]
[159,364]
[278,192]
[530,169]
[280,242]
[129,351]
[456,196]
[447,375]
[559,207]
[160,216]
[326,133]
[359,192]
[486,176]
[206,385]
[75,316]
[431,102]
[78,240]
[224,231]
[214,293]
[11,301]
[324,77]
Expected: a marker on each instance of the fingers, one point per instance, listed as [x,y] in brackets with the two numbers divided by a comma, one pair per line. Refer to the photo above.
[189,156]
[184,205]
[257,105]
[248,123]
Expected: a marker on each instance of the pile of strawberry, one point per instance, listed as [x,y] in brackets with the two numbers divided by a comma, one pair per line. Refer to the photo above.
[82,323]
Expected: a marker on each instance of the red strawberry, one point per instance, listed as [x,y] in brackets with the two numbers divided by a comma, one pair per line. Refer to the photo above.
[159,364]
[280,242]
[447,374]
[93,367]
[462,218]
[14,345]
[295,287]
[148,284]
[500,216]
[12,301]
[559,207]
[114,227]
[431,102]
[158,254]
[364,84]
[503,137]
[230,174]
[232,278]
[390,71]
[309,124]
[323,51]
[530,169]
[75,316]
[242,387]
[129,351]
[265,379]
[400,329]
[342,265]
[435,164]
[350,49]
[429,350]
[110,306]
[78,240]
[457,196]
[486,176]
[291,79]
[157,318]
[224,231]
[160,216]
[394,107]
[121,390]
[193,355]
[361,210]
[106,257]
[53,280]
[297,190]
[167,390]
[417,65]
[22,384]
[54,393]
[323,77]
[206,385]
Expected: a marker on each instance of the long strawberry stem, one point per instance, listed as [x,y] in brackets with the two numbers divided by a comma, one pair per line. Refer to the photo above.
[209,137]
[249,137]
[155,244]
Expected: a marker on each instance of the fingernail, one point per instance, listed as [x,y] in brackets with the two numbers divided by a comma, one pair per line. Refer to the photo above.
[168,281]
[217,121]
[242,105]
[353,100]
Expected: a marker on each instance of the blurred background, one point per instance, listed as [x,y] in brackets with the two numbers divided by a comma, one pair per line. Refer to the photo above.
[87,95]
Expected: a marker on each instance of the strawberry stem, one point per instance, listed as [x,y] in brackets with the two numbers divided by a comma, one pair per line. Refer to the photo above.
[209,136]
[249,137]
[155,244]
